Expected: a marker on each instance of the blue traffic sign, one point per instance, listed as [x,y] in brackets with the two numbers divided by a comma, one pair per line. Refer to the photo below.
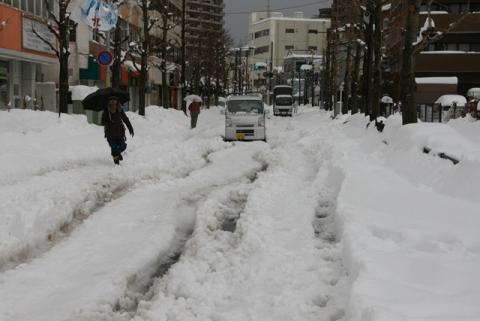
[104,58]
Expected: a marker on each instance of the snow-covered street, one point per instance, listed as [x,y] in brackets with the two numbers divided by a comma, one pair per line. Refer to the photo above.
[328,220]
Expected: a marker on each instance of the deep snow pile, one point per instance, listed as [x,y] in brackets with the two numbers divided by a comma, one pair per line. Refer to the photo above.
[328,221]
[410,221]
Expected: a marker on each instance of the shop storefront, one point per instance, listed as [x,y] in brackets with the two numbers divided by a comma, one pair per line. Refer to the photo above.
[22,55]
[4,85]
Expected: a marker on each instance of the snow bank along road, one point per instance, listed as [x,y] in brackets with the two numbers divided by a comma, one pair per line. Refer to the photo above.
[311,226]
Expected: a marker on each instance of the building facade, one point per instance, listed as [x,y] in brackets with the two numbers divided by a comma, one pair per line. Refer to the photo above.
[202,18]
[22,55]
[27,64]
[456,54]
[273,37]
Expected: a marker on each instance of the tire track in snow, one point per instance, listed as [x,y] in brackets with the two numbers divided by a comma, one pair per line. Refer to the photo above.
[141,287]
[100,193]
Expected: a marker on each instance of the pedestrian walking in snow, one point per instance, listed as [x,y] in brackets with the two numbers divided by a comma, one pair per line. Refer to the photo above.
[194,109]
[112,119]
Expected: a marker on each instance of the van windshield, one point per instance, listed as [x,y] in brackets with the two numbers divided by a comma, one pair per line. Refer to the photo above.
[283,101]
[246,106]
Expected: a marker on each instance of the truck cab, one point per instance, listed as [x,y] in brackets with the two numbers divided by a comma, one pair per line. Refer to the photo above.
[283,103]
[245,118]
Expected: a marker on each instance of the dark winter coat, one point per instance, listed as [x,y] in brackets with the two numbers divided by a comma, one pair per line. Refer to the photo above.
[194,107]
[113,124]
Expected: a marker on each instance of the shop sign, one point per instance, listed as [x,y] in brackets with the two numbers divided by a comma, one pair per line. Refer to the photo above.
[32,41]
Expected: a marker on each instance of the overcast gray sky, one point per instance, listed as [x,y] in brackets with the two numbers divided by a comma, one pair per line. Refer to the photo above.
[238,23]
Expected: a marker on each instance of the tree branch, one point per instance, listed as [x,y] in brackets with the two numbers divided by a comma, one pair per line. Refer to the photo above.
[432,37]
[51,14]
[57,52]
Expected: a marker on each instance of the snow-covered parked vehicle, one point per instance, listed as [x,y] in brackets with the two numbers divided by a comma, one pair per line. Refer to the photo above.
[245,118]
[451,106]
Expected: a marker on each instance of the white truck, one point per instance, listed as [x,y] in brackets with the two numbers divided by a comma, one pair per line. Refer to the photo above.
[245,118]
[283,104]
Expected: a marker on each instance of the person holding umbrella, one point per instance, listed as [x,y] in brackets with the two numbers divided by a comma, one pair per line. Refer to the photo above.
[193,108]
[113,118]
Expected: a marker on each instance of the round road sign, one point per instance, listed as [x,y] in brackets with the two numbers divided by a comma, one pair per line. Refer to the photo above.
[104,58]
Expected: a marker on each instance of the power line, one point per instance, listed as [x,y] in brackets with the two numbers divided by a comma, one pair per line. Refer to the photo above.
[279,9]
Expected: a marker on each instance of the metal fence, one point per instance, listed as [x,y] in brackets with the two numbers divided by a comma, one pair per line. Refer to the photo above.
[437,114]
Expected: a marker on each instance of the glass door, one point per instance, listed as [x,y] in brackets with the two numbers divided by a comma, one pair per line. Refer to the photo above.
[4,88]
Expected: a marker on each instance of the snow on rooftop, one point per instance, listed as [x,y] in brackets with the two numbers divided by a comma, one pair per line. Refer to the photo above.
[292,19]
[449,100]
[437,80]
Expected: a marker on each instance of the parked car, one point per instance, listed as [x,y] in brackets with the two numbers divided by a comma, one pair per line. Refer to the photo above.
[245,118]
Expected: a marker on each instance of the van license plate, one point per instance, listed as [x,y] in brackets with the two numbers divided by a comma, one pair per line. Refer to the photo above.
[240,136]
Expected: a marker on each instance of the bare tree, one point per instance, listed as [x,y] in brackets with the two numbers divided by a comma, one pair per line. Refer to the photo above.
[168,20]
[119,54]
[417,39]
[59,24]
[144,50]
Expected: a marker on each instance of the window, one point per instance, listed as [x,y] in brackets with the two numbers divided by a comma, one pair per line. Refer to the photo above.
[31,6]
[464,47]
[289,30]
[475,47]
[38,7]
[452,46]
[261,50]
[314,31]
[289,47]
[73,31]
[262,33]
[464,7]
[246,106]
[312,48]
[454,8]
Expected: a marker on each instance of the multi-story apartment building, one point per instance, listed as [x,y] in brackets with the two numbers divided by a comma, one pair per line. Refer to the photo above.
[273,37]
[456,54]
[203,17]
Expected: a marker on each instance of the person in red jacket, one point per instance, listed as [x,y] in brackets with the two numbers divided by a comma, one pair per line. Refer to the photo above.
[194,109]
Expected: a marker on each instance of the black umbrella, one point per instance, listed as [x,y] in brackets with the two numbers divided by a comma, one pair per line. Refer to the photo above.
[97,101]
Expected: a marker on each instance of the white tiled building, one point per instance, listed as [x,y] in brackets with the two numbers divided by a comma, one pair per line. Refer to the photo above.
[284,35]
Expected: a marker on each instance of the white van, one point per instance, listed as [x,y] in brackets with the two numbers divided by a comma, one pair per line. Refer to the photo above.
[245,118]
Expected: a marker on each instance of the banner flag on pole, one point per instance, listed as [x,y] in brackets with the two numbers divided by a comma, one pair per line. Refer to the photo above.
[95,14]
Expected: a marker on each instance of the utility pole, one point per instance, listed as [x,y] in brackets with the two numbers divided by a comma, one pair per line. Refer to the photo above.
[271,72]
[240,72]
[182,77]
[235,77]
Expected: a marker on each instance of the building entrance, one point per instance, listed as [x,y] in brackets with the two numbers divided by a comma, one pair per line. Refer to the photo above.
[4,86]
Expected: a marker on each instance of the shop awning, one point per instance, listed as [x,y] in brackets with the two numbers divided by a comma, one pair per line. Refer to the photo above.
[25,56]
